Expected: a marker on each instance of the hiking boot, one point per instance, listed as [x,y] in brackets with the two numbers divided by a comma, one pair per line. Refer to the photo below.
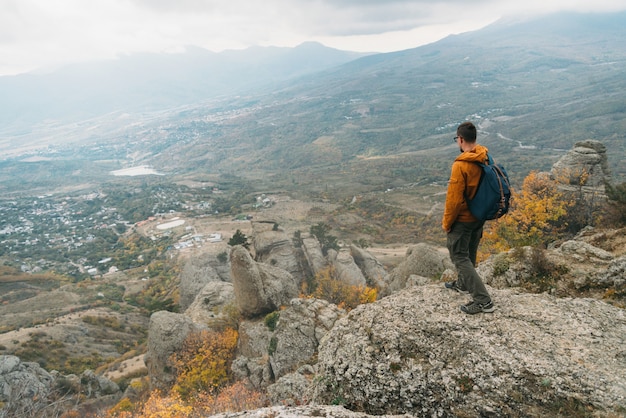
[455,287]
[473,308]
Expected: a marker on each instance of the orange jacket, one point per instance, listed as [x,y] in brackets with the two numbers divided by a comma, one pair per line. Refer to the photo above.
[463,181]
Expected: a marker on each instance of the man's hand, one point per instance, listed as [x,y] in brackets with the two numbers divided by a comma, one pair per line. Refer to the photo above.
[447,230]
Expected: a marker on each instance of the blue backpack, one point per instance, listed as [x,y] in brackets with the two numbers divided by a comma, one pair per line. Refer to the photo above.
[493,195]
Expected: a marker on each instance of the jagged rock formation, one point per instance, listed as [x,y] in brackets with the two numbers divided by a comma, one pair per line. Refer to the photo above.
[266,354]
[166,334]
[313,254]
[593,261]
[276,249]
[373,270]
[346,270]
[259,288]
[421,260]
[587,158]
[197,272]
[210,305]
[321,411]
[28,390]
[414,352]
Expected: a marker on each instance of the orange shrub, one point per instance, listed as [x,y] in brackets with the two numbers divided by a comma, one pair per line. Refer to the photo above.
[203,363]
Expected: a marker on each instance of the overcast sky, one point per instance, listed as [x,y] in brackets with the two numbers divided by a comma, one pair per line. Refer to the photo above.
[47,33]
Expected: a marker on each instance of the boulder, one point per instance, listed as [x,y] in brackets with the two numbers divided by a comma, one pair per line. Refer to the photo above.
[373,270]
[212,303]
[24,387]
[266,353]
[346,270]
[166,333]
[252,359]
[259,288]
[313,254]
[197,272]
[422,260]
[536,355]
[587,159]
[275,248]
[299,330]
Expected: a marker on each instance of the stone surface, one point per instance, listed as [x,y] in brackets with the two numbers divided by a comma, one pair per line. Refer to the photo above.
[415,352]
[276,249]
[166,334]
[587,158]
[421,260]
[373,270]
[197,272]
[346,270]
[212,303]
[259,288]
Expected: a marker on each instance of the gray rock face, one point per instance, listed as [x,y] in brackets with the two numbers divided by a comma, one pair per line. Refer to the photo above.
[421,260]
[24,386]
[259,288]
[415,352]
[373,270]
[276,249]
[264,355]
[346,270]
[313,254]
[588,158]
[28,390]
[166,334]
[252,361]
[211,303]
[198,271]
[299,329]
[578,263]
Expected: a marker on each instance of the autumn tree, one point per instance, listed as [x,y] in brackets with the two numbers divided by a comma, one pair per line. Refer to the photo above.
[538,215]
[203,363]
[328,287]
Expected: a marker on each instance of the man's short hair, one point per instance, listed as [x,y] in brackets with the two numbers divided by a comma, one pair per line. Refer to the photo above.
[467,130]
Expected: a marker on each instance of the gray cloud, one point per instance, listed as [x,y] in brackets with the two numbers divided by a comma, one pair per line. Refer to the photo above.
[37,33]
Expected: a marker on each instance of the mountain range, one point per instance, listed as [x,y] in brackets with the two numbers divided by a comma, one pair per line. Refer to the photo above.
[311,114]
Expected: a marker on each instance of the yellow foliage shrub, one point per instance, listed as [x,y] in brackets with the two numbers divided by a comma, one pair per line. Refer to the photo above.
[203,363]
[538,215]
[234,398]
[326,286]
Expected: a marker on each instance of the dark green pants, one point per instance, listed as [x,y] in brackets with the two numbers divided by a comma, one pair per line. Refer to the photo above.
[463,243]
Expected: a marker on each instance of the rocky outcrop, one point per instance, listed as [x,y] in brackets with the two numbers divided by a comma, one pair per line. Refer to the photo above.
[320,411]
[579,264]
[536,355]
[259,288]
[166,334]
[197,272]
[24,386]
[268,352]
[276,249]
[346,270]
[212,303]
[421,260]
[26,389]
[313,254]
[373,270]
[587,159]
[298,332]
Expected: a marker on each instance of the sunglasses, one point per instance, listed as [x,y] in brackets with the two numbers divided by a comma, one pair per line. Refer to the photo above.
[455,138]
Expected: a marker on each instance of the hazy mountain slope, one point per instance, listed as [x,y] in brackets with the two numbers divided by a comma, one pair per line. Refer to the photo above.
[535,87]
[147,82]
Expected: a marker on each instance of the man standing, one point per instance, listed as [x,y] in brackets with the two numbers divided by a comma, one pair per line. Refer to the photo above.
[463,230]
